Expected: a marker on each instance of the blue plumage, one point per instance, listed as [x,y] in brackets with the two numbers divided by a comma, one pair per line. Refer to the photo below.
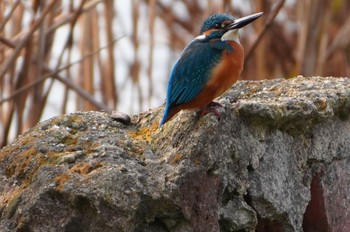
[215,19]
[192,82]
[192,71]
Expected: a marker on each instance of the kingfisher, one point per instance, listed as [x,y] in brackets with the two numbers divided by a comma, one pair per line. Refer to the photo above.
[208,66]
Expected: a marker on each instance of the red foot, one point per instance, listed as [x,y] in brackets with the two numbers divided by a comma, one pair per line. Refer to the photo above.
[213,105]
[211,108]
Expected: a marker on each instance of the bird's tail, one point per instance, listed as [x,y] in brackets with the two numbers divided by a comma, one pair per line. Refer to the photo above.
[168,114]
[165,117]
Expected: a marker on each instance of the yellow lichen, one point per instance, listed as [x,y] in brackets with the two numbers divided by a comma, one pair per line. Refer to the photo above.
[144,134]
[175,159]
[18,165]
[321,104]
[60,180]
[11,196]
[85,168]
[80,168]
[12,205]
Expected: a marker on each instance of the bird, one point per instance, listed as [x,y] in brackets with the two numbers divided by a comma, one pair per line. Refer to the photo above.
[209,65]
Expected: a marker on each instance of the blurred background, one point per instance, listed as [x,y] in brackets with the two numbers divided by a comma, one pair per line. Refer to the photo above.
[63,56]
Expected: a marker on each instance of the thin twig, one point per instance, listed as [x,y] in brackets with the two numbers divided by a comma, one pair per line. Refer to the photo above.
[267,26]
[77,13]
[7,18]
[83,93]
[9,61]
[7,42]
[53,73]
[152,17]
[341,39]
[72,17]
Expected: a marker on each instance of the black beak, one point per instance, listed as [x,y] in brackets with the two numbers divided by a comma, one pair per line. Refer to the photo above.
[241,22]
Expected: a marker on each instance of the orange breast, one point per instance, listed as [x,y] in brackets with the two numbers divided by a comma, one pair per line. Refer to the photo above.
[228,71]
[222,78]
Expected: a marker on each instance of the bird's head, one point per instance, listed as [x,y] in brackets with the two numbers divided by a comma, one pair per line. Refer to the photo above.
[224,26]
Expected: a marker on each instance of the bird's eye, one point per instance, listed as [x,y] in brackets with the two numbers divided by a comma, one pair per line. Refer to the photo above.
[217,26]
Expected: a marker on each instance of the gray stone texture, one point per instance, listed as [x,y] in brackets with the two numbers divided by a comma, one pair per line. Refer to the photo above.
[277,160]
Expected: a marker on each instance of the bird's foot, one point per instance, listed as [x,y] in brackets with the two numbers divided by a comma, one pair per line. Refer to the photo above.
[212,107]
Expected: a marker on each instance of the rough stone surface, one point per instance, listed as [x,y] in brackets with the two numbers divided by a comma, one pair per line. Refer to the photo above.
[278,160]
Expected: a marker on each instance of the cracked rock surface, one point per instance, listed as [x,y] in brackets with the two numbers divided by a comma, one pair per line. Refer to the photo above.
[277,160]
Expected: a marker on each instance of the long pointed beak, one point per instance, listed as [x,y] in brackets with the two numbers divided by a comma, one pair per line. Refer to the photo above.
[241,22]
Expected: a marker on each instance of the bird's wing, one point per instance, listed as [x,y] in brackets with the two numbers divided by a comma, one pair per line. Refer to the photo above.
[191,72]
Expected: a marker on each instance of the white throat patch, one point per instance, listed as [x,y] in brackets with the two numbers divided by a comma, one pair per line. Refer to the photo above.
[232,35]
[200,37]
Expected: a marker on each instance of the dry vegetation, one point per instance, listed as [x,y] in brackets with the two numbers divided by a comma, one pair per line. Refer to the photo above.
[308,37]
